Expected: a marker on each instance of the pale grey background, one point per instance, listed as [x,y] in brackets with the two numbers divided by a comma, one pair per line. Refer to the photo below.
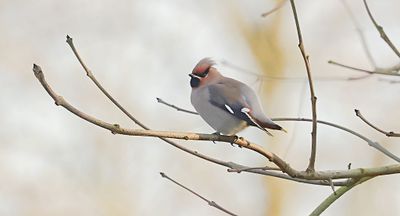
[52,163]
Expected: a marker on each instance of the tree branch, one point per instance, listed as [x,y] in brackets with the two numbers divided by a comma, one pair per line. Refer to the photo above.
[116,129]
[360,34]
[276,174]
[254,168]
[277,7]
[337,194]
[161,101]
[285,167]
[390,71]
[262,77]
[210,202]
[371,143]
[381,31]
[389,134]
[311,165]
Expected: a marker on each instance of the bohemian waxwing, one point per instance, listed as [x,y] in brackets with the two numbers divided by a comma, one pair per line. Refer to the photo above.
[226,104]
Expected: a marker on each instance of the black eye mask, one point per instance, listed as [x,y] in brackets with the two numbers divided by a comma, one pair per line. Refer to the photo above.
[194,81]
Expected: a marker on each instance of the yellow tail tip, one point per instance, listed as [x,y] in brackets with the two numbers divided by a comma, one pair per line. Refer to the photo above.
[282,129]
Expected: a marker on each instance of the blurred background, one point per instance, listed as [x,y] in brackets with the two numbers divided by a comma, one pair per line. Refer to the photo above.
[53,163]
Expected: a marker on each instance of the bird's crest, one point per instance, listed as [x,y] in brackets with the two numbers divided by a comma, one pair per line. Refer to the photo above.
[203,66]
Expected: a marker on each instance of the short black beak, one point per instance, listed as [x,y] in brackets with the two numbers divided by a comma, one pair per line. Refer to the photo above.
[194,76]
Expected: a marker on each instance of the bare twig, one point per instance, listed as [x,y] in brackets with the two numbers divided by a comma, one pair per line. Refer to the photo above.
[311,165]
[93,78]
[381,31]
[262,77]
[371,143]
[362,39]
[360,34]
[239,170]
[277,7]
[390,81]
[276,174]
[389,134]
[159,100]
[391,71]
[337,194]
[210,202]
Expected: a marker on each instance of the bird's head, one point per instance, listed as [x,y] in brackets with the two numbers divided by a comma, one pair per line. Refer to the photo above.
[203,73]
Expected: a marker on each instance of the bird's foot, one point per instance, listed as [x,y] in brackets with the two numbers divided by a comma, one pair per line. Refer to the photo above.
[235,138]
[216,133]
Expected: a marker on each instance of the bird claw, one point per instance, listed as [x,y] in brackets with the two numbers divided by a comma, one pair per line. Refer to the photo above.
[216,133]
[234,140]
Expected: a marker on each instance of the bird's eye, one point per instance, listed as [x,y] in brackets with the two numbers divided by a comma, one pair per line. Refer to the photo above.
[194,82]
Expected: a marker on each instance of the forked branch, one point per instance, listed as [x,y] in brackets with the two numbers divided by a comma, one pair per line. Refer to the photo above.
[371,143]
[230,165]
[284,167]
[337,194]
[382,33]
[389,71]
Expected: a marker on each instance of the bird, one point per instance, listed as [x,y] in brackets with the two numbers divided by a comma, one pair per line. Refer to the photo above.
[226,104]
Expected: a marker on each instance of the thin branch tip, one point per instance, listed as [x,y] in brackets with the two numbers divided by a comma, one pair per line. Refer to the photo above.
[209,202]
[69,39]
[276,8]
[36,67]
[390,71]
[387,133]
[37,70]
[380,30]
[161,101]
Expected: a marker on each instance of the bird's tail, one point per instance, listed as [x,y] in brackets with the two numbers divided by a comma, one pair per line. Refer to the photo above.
[272,125]
[263,125]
